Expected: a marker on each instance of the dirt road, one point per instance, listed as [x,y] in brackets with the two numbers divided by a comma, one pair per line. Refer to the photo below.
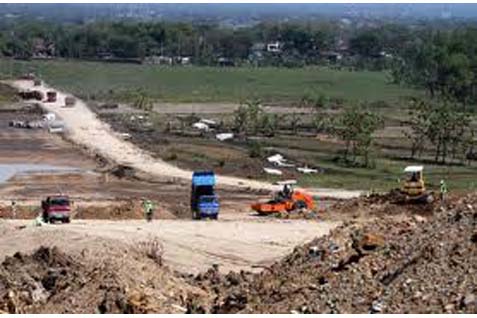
[190,246]
[86,129]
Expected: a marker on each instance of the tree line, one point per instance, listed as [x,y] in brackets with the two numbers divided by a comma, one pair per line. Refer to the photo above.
[300,43]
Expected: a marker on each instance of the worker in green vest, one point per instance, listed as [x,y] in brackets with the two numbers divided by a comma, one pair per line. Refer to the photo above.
[148,209]
[443,191]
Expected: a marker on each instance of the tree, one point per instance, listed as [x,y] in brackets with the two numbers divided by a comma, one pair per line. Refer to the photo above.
[254,111]
[314,100]
[295,120]
[356,128]
[366,43]
[269,124]
[240,119]
[442,125]
[419,111]
[142,101]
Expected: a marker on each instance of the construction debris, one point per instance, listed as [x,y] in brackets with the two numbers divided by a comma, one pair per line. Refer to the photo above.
[386,265]
[49,281]
[306,170]
[279,160]
[208,122]
[224,136]
[273,171]
[201,126]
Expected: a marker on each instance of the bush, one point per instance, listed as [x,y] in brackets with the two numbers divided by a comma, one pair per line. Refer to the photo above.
[255,149]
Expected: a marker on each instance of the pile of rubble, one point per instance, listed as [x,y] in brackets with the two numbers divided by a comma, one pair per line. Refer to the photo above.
[49,281]
[380,204]
[410,264]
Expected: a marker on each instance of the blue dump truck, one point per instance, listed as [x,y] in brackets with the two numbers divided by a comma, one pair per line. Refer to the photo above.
[204,203]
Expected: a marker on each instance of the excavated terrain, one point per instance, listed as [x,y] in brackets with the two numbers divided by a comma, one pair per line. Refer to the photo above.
[400,259]
[50,281]
[391,264]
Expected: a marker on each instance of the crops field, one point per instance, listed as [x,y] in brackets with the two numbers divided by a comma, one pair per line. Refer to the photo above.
[209,84]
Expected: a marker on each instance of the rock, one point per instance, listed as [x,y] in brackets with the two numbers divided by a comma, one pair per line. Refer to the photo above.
[315,251]
[449,307]
[469,300]
[371,241]
[377,306]
[419,219]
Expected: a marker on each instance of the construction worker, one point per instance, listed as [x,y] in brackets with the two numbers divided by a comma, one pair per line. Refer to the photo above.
[443,190]
[285,193]
[148,209]
[39,221]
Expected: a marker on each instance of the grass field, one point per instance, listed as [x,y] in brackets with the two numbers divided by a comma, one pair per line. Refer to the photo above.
[209,84]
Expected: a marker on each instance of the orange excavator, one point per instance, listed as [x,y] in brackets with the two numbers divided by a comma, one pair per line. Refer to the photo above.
[286,200]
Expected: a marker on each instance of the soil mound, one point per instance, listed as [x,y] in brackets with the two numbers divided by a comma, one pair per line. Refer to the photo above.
[49,281]
[410,264]
[381,204]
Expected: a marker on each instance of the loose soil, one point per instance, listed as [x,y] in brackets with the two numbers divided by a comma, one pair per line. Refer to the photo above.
[389,264]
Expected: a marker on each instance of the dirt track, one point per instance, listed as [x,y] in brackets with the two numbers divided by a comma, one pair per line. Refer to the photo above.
[86,129]
[190,246]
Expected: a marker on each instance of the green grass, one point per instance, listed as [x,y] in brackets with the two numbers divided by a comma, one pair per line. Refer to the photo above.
[385,176]
[7,95]
[209,84]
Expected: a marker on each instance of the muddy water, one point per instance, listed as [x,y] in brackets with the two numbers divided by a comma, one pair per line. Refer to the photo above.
[8,171]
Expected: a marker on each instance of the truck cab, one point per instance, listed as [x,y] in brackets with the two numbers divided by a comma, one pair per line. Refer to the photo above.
[56,208]
[204,201]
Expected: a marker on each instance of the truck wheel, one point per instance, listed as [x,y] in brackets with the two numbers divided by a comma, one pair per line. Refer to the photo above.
[66,220]
[215,217]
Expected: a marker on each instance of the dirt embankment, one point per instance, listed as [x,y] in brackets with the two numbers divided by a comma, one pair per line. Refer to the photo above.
[399,264]
[125,210]
[50,281]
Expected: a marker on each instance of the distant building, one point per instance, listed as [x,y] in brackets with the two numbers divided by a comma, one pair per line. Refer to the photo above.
[274,47]
[158,60]
[224,61]
[331,56]
[183,60]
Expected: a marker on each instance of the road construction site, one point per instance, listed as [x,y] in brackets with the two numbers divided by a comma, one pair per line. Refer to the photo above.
[353,254]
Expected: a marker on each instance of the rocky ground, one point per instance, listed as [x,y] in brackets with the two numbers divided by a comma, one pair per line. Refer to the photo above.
[390,264]
[50,281]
